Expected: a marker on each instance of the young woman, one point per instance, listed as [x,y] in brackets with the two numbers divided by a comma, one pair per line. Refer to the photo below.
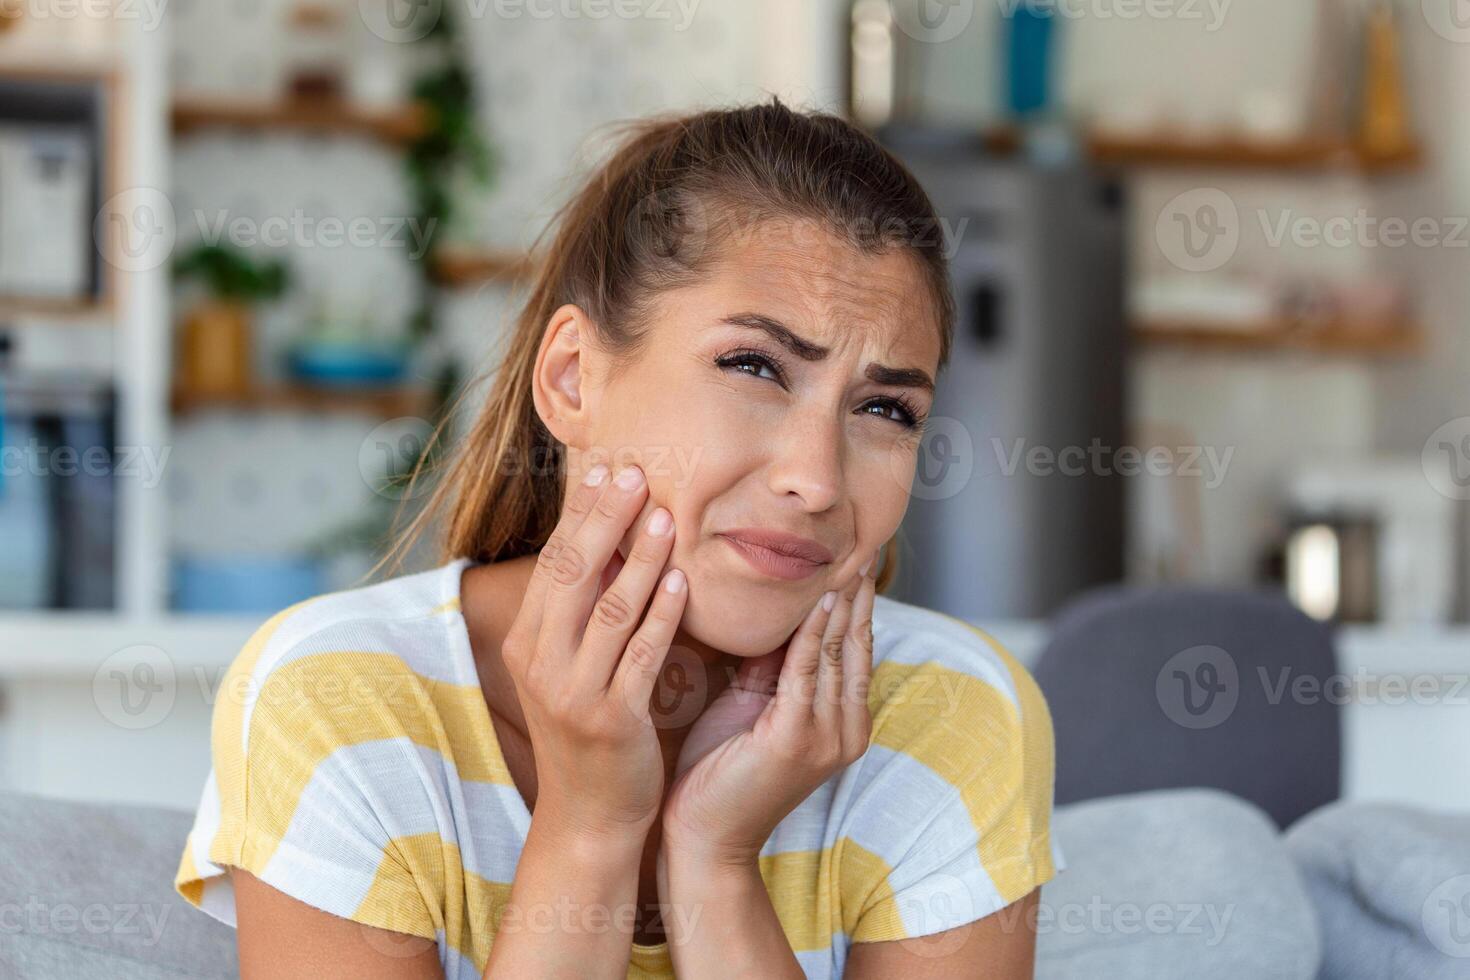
[650,718]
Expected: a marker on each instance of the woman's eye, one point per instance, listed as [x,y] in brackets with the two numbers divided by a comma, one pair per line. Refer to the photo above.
[893,410]
[753,364]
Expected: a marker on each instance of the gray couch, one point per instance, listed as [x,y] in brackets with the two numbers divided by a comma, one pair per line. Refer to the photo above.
[1180,883]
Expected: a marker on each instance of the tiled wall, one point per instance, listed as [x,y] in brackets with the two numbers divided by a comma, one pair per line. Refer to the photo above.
[266,484]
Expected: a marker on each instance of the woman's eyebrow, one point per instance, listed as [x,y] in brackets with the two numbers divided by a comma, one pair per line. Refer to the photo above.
[808,351]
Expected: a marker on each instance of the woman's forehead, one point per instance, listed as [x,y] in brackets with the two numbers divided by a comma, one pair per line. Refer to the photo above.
[829,291]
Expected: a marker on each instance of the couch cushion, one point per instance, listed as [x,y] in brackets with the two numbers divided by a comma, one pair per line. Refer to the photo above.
[1392,888]
[1174,883]
[88,892]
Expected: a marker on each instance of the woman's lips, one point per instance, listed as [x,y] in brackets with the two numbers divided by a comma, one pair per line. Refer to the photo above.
[769,562]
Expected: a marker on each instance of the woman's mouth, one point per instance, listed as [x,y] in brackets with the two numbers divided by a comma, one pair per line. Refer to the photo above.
[777,555]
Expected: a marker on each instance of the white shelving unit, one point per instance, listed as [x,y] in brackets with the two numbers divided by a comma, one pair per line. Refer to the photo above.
[128,328]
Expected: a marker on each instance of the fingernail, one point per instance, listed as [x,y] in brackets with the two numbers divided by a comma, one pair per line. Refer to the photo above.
[630,478]
[674,581]
[660,523]
[828,601]
[596,475]
[866,565]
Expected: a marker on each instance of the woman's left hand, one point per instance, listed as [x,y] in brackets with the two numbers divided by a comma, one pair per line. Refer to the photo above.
[755,753]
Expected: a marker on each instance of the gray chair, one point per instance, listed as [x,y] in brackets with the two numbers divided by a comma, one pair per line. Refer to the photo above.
[1178,687]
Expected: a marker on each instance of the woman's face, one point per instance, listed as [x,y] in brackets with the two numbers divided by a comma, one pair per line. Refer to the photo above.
[779,397]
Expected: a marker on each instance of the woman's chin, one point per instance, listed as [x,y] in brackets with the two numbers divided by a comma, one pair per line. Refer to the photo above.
[737,626]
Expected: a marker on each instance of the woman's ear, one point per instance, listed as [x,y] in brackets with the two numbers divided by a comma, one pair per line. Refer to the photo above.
[559,381]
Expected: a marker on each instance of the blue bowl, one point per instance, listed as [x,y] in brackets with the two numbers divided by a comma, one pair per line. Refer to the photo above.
[347,364]
[245,585]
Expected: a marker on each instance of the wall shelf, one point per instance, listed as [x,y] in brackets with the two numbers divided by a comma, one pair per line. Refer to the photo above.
[395,124]
[458,266]
[1166,151]
[1332,337]
[385,402]
[63,309]
[1303,154]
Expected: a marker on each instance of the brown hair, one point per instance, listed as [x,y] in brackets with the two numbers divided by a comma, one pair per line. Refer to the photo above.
[651,218]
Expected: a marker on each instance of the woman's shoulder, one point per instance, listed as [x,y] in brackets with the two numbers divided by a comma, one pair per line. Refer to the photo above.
[924,660]
[401,618]
[334,735]
[363,654]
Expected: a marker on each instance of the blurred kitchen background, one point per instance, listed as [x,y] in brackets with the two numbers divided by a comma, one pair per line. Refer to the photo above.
[1211,257]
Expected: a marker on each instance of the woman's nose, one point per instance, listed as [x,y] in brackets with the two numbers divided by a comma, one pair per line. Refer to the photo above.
[808,463]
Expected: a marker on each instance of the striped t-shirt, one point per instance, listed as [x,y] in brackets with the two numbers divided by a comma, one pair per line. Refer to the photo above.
[355,768]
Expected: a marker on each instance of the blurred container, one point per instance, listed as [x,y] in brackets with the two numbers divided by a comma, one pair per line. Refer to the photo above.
[58,496]
[45,211]
[27,561]
[1331,567]
[214,349]
[347,363]
[1030,42]
[244,584]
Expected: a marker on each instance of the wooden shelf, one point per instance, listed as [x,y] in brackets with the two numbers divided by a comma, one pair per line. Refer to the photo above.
[31,59]
[1166,151]
[385,402]
[462,266]
[399,124]
[1344,338]
[50,306]
[1304,154]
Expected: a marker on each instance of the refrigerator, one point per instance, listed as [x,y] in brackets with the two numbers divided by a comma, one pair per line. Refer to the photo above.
[1016,507]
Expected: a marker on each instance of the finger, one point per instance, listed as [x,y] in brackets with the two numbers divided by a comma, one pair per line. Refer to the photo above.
[797,684]
[574,513]
[828,706]
[577,567]
[618,610]
[857,665]
[643,658]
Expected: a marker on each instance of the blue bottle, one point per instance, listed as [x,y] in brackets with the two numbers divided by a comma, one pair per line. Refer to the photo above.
[1029,33]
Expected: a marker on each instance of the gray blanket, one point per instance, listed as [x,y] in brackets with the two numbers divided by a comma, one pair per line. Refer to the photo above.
[1392,890]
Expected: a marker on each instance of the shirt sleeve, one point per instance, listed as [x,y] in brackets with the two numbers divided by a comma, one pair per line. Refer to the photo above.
[964,764]
[291,794]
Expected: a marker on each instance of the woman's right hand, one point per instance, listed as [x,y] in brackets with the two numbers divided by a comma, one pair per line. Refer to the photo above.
[585,661]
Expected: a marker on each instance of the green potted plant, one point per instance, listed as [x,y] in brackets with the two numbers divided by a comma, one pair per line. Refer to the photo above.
[215,345]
